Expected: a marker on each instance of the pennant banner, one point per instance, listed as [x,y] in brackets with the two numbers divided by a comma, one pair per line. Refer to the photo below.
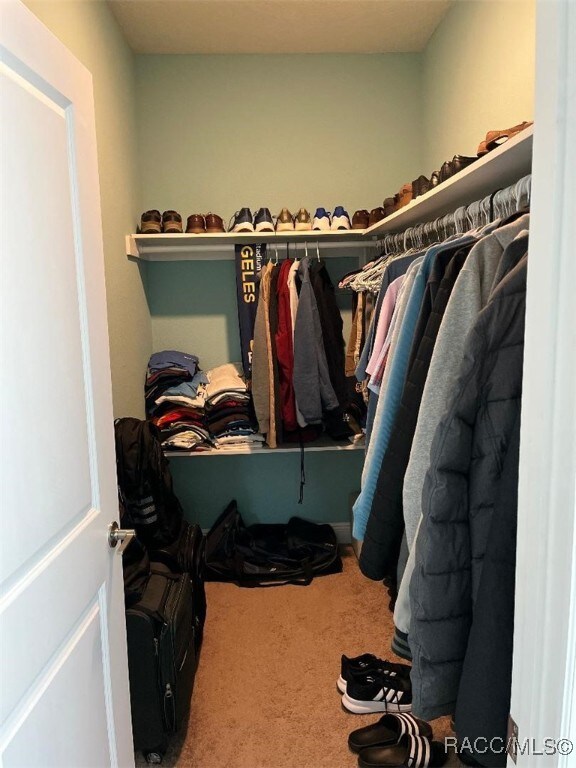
[248,259]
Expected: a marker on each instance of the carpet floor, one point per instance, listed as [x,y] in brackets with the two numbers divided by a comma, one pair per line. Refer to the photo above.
[265,693]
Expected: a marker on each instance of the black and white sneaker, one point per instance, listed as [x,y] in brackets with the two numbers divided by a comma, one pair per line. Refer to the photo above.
[368,663]
[378,693]
[263,221]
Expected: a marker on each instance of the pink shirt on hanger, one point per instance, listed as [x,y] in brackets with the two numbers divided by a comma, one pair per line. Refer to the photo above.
[384,319]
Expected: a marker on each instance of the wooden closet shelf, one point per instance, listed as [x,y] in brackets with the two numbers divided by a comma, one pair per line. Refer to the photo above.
[499,168]
[324,444]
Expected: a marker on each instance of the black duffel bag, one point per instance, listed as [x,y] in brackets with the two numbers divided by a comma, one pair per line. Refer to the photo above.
[267,555]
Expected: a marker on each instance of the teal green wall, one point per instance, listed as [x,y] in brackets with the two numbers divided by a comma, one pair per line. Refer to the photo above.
[478,76]
[267,487]
[91,32]
[216,133]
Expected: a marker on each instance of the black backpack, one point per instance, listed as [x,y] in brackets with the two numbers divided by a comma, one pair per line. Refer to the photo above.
[145,483]
[266,555]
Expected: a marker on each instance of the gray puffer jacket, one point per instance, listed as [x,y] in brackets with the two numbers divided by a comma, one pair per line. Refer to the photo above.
[461,486]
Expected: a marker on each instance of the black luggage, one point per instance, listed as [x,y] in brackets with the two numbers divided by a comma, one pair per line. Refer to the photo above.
[269,554]
[186,555]
[161,660]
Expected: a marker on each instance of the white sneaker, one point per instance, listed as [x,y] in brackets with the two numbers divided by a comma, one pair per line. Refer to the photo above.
[321,220]
[340,219]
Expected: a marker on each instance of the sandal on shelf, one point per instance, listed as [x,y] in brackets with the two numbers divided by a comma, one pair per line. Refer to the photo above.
[388,731]
[409,752]
[496,138]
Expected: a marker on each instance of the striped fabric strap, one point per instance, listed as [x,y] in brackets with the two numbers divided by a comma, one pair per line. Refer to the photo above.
[408,724]
[419,752]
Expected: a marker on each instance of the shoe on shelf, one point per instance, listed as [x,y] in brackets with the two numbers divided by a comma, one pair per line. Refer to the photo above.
[321,219]
[361,219]
[434,179]
[420,186]
[242,221]
[496,138]
[340,219]
[389,206]
[377,692]
[284,222]
[376,215]
[302,221]
[171,222]
[368,663]
[196,224]
[214,223]
[151,223]
[263,221]
[405,195]
[454,166]
[387,731]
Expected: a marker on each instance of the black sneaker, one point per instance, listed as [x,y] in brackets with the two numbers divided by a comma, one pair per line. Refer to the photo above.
[263,221]
[368,663]
[378,693]
[151,223]
[242,221]
[172,223]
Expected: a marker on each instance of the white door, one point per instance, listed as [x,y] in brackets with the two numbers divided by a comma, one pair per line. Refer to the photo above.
[64,690]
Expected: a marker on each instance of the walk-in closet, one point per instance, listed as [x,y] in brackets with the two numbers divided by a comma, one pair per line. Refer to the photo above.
[289,466]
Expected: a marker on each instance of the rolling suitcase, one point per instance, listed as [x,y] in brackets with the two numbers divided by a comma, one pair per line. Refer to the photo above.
[186,555]
[161,660]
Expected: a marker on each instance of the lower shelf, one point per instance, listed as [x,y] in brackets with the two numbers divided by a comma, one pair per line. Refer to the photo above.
[324,444]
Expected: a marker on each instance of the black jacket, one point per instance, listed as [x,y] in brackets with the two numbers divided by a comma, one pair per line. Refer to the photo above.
[379,556]
[461,488]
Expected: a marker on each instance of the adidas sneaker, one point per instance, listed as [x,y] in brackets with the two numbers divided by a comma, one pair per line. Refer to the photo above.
[377,692]
[340,219]
[242,221]
[357,666]
[321,219]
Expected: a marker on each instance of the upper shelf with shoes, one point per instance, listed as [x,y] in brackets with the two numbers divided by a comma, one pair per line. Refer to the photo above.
[498,168]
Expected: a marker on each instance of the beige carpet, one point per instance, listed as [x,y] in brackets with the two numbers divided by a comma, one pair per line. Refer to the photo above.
[265,693]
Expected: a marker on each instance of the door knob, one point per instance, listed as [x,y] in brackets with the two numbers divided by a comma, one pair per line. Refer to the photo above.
[122,536]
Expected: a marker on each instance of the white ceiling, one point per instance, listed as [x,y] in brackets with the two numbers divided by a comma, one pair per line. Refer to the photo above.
[278,26]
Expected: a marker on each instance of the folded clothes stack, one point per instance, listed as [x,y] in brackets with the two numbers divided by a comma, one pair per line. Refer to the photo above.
[175,400]
[229,410]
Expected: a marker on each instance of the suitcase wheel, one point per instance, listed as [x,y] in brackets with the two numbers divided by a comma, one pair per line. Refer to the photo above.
[153,758]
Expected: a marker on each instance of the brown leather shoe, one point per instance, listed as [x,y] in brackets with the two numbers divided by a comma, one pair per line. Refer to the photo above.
[361,219]
[389,206]
[376,215]
[151,223]
[495,138]
[171,222]
[405,195]
[214,223]
[196,224]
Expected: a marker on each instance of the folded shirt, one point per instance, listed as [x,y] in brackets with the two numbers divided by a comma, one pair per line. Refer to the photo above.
[171,358]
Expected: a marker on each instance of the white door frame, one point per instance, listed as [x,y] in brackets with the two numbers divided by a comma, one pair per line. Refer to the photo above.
[543,696]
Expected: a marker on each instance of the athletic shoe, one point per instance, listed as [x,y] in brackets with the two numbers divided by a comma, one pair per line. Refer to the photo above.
[340,219]
[302,221]
[171,222]
[357,666]
[151,223]
[263,221]
[284,222]
[378,693]
[321,219]
[242,221]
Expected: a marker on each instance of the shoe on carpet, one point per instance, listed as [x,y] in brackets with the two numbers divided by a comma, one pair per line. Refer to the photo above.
[409,752]
[242,221]
[214,223]
[361,219]
[151,223]
[171,223]
[321,219]
[368,663]
[388,731]
[196,224]
[302,221]
[285,221]
[377,692]
[340,219]
[263,221]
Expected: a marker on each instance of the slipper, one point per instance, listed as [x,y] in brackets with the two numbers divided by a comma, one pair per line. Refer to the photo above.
[496,138]
[388,731]
[410,752]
